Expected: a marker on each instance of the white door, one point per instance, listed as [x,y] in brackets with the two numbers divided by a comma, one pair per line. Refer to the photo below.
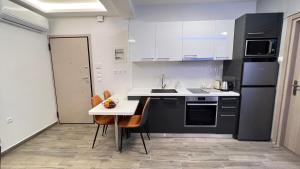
[198,38]
[142,40]
[292,134]
[71,67]
[169,41]
[223,42]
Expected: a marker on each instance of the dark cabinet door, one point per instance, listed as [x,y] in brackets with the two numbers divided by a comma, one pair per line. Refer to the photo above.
[155,122]
[256,113]
[260,73]
[173,108]
[228,115]
[227,124]
[166,114]
[263,25]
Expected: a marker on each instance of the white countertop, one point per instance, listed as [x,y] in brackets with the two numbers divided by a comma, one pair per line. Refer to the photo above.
[124,107]
[180,92]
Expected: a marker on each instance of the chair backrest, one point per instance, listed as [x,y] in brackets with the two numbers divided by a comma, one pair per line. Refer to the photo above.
[145,112]
[96,100]
[106,94]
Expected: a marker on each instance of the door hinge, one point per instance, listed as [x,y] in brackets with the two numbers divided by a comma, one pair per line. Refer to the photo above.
[49,46]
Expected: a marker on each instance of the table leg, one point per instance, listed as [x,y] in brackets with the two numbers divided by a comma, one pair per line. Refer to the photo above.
[117,133]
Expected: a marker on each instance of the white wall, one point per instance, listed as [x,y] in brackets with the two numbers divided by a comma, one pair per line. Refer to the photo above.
[289,7]
[190,12]
[105,37]
[177,74]
[26,88]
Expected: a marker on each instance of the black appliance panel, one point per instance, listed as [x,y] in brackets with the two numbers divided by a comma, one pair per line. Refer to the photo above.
[256,113]
[201,112]
[198,114]
[261,48]
[260,73]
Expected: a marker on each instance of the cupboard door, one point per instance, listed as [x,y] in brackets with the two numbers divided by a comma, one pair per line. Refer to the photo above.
[223,43]
[168,41]
[142,40]
[263,25]
[198,40]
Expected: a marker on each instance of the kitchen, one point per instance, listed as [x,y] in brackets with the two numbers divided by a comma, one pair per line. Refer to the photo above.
[210,70]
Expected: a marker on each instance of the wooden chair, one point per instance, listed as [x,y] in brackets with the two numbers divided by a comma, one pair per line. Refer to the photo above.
[136,121]
[106,94]
[101,119]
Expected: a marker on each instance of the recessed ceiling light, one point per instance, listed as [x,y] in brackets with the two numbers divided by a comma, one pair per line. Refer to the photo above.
[53,6]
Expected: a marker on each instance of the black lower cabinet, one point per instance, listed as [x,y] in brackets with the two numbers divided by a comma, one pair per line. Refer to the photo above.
[166,114]
[228,115]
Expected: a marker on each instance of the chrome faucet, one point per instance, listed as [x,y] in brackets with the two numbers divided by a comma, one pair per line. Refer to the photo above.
[163,85]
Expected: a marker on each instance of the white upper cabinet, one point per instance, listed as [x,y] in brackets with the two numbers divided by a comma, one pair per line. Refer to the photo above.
[223,44]
[198,40]
[142,40]
[176,41]
[168,41]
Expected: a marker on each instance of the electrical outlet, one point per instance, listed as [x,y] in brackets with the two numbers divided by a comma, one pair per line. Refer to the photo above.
[9,120]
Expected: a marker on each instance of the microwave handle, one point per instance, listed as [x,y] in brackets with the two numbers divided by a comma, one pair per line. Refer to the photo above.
[256,33]
[271,46]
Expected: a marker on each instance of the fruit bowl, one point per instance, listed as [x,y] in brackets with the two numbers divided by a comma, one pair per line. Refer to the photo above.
[109,104]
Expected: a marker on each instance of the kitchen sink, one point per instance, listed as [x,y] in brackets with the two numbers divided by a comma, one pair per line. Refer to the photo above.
[163,91]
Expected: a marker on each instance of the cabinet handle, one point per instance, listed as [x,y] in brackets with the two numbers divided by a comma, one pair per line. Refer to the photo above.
[199,104]
[155,98]
[147,58]
[229,107]
[163,58]
[256,33]
[229,98]
[189,55]
[222,115]
[170,98]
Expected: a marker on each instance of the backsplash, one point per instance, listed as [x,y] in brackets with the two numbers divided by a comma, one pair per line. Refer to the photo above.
[177,74]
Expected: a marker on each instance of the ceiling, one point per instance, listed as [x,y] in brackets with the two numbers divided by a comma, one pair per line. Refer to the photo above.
[123,8]
[63,8]
[164,2]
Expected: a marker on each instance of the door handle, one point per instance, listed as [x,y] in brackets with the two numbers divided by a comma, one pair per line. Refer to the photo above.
[295,87]
[85,78]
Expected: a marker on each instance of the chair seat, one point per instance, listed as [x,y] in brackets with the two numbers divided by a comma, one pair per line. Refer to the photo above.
[104,120]
[130,122]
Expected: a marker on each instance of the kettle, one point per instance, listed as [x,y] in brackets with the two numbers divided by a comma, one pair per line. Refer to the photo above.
[224,86]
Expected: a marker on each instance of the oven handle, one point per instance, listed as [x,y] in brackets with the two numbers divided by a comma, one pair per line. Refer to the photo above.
[200,104]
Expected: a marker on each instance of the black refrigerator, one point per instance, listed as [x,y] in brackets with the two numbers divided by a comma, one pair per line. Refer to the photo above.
[254,71]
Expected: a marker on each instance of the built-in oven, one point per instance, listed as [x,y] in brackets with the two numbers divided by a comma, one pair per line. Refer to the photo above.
[261,48]
[201,111]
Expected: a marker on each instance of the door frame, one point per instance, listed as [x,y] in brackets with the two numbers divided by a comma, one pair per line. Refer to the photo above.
[88,36]
[285,81]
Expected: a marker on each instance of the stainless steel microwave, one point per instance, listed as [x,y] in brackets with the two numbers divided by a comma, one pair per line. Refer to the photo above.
[261,48]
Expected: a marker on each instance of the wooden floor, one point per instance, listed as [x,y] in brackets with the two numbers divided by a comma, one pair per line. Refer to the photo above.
[69,146]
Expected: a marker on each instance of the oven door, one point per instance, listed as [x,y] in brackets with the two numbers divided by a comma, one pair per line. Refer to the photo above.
[261,48]
[201,114]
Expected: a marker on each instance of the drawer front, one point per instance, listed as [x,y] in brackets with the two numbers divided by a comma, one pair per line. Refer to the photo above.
[228,110]
[227,124]
[229,101]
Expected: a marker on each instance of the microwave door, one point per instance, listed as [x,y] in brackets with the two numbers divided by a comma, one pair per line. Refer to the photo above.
[258,47]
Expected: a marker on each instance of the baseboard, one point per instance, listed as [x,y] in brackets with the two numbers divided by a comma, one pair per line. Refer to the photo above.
[27,139]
